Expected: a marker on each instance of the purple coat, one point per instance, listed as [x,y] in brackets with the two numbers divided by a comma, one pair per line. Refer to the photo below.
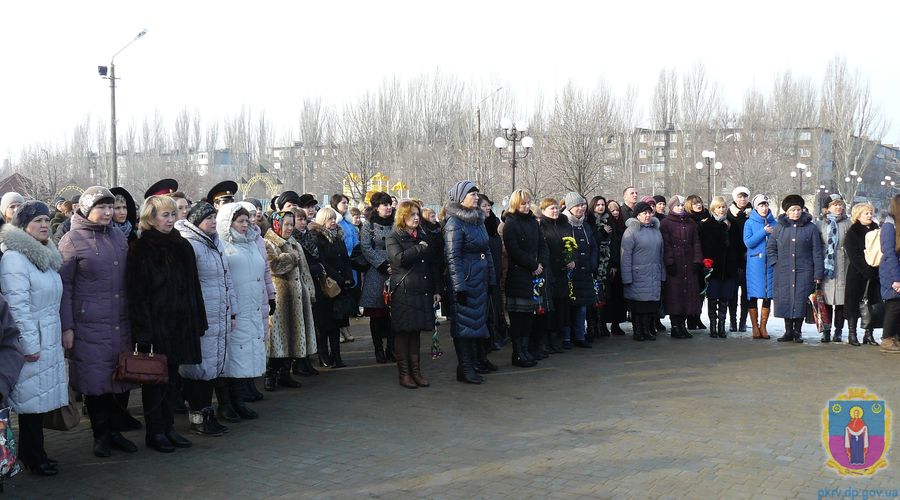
[681,241]
[94,304]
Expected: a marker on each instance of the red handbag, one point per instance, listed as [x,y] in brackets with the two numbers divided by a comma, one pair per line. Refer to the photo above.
[142,368]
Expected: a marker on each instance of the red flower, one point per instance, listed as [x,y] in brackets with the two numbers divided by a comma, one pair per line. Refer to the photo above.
[707,263]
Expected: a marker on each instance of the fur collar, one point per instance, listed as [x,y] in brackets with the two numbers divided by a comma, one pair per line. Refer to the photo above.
[273,238]
[44,256]
[738,213]
[330,236]
[633,222]
[471,216]
[861,230]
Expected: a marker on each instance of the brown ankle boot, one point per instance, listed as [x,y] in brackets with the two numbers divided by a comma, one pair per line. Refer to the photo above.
[754,322]
[763,320]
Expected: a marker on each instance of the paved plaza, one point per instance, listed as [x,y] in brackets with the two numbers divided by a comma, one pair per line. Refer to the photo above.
[699,418]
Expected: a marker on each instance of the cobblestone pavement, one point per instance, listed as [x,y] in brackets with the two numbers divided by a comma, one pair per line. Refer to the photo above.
[700,418]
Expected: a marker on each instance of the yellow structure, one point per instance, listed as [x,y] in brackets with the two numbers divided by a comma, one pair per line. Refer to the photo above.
[378,182]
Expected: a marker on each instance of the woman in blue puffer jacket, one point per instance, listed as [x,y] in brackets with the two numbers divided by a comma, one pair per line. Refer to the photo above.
[889,273]
[470,274]
[757,230]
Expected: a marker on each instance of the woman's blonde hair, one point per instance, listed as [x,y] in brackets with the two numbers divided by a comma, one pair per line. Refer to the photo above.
[151,207]
[858,210]
[324,214]
[718,201]
[426,213]
[404,210]
[517,197]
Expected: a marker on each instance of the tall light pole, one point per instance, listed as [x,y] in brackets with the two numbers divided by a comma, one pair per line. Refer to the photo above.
[513,133]
[801,171]
[712,170]
[886,184]
[849,179]
[112,105]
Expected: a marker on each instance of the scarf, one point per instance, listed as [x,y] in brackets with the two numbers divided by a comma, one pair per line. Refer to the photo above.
[572,220]
[126,227]
[831,246]
[308,243]
[720,218]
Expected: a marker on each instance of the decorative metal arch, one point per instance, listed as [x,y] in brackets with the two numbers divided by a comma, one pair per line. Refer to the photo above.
[69,187]
[267,179]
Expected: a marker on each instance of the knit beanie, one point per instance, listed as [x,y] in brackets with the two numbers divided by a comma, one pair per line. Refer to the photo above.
[28,212]
[94,196]
[659,199]
[10,198]
[459,190]
[760,198]
[572,198]
[200,211]
[675,200]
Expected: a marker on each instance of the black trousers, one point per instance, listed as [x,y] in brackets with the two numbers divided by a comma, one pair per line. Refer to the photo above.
[159,403]
[31,439]
[891,319]
[199,393]
[107,412]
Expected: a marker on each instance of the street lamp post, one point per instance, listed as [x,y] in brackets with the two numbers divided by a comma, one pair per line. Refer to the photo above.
[854,175]
[801,171]
[513,133]
[112,105]
[887,184]
[712,170]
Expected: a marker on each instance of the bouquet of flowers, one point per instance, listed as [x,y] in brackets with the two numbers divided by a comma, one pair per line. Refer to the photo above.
[570,246]
[598,294]
[708,267]
[537,294]
[436,350]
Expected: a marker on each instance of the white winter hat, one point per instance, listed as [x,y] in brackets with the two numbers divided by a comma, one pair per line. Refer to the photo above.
[10,198]
[738,190]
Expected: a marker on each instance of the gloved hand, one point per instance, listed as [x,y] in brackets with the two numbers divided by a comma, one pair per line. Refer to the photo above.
[271,307]
[671,271]
[461,298]
[383,268]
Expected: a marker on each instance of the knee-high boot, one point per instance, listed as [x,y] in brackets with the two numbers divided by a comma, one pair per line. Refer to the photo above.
[763,322]
[722,308]
[224,409]
[753,313]
[334,342]
[788,331]
[375,330]
[415,366]
[401,354]
[465,369]
[838,323]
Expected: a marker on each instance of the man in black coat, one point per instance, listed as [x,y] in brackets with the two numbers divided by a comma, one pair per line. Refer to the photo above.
[738,213]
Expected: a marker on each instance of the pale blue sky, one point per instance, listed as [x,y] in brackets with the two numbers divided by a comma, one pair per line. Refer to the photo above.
[218,56]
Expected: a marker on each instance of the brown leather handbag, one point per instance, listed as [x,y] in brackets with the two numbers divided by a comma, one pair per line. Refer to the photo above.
[64,418]
[142,367]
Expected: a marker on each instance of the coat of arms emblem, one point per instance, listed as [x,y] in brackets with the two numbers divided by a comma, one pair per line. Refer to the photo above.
[856,433]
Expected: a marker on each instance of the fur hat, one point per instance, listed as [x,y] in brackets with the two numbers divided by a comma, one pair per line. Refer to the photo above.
[674,200]
[459,191]
[641,207]
[94,196]
[760,198]
[286,197]
[10,198]
[659,199]
[738,190]
[572,198]
[792,200]
[28,212]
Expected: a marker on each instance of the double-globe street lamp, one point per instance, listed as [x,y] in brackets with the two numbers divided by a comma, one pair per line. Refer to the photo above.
[110,74]
[801,171]
[512,134]
[712,170]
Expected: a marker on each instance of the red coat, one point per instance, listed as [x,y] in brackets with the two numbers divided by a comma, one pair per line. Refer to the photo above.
[681,254]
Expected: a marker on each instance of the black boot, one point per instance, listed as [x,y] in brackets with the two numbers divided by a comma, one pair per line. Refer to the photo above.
[334,342]
[465,369]
[270,379]
[202,423]
[253,394]
[177,439]
[536,345]
[637,327]
[99,414]
[838,323]
[742,325]
[837,336]
[224,410]
[648,327]
[661,328]
[375,329]
[518,352]
[826,337]
[238,389]
[713,327]
[322,344]
[617,329]
[309,366]
[482,363]
[798,336]
[301,367]
[552,341]
[788,331]
[851,335]
[284,375]
[121,443]
[389,350]
[722,311]
[869,337]
[694,323]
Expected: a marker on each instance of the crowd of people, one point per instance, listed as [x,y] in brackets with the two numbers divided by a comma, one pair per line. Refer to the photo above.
[233,291]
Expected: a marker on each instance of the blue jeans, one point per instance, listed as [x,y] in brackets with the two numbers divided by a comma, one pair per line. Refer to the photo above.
[577,315]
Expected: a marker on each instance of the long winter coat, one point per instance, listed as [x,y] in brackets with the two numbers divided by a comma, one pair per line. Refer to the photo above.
[716,245]
[246,353]
[414,282]
[738,218]
[258,238]
[218,297]
[835,288]
[30,281]
[375,231]
[470,269]
[11,360]
[683,253]
[859,273]
[889,270]
[759,271]
[94,304]
[293,333]
[526,249]
[554,230]
[335,262]
[795,251]
[585,261]
[641,260]
[165,302]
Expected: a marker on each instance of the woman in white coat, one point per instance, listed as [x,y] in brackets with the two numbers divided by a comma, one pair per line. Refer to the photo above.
[30,281]
[245,357]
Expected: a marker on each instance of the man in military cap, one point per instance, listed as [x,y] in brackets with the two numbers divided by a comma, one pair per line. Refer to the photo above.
[222,193]
[163,187]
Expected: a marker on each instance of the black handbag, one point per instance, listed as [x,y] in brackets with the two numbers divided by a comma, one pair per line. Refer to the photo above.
[357,260]
[871,315]
[343,306]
